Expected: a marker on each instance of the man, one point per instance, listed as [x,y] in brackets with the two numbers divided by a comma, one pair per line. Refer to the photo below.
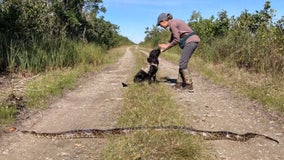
[183,35]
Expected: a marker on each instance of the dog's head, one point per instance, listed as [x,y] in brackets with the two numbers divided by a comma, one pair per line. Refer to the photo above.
[153,56]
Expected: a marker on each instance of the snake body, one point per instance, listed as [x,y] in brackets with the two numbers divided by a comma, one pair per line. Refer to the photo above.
[104,133]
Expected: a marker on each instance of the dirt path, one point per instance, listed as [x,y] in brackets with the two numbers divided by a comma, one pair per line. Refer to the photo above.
[94,104]
[212,107]
[97,101]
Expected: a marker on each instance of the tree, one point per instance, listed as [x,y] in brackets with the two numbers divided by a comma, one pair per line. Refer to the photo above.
[24,19]
[222,24]
[155,35]
[25,23]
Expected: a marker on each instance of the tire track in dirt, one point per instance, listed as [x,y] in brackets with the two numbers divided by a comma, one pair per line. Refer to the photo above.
[212,107]
[95,103]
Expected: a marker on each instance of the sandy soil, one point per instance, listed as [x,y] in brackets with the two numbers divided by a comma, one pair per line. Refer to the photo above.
[213,107]
[97,101]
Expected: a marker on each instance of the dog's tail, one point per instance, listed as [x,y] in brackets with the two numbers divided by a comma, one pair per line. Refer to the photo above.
[124,84]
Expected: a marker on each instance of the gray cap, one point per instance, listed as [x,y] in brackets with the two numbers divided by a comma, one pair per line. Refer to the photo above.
[162,17]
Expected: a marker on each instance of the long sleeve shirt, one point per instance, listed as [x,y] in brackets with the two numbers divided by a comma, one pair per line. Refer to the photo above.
[178,29]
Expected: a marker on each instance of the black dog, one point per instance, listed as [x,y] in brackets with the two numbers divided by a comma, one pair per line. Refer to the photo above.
[150,73]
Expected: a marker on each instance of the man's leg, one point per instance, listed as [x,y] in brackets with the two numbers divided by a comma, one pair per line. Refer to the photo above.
[184,78]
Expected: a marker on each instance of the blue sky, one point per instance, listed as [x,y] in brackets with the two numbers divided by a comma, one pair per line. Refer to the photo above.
[133,16]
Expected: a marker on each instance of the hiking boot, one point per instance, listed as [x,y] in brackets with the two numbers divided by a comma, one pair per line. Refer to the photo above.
[178,84]
[186,80]
[189,87]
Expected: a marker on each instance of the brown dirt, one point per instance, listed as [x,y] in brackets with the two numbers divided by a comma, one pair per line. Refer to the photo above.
[97,101]
[213,107]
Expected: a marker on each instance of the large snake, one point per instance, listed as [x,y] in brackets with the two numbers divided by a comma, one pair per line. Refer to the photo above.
[103,133]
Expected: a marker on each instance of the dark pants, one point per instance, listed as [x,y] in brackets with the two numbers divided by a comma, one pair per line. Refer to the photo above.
[186,54]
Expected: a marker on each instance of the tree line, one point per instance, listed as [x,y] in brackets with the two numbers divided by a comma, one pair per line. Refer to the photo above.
[32,26]
[253,41]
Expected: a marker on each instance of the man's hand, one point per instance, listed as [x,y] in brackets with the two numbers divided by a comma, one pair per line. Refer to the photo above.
[163,46]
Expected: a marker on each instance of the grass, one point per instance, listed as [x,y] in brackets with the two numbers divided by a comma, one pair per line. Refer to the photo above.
[264,88]
[151,105]
[142,99]
[6,114]
[39,91]
[153,145]
[54,83]
[41,55]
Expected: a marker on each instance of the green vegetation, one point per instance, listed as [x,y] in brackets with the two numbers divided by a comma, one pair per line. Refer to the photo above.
[151,105]
[6,114]
[53,83]
[251,41]
[39,91]
[56,40]
[244,52]
[36,36]
[266,89]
